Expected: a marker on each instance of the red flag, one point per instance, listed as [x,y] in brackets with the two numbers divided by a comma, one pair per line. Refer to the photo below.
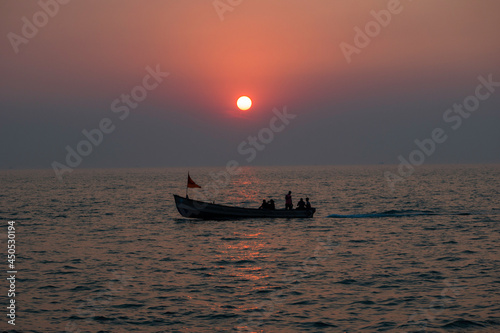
[191,183]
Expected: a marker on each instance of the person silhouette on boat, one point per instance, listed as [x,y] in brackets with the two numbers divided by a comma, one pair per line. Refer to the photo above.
[264,205]
[288,201]
[301,205]
[271,205]
[308,204]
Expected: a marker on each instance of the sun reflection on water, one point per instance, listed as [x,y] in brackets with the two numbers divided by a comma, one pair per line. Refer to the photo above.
[243,256]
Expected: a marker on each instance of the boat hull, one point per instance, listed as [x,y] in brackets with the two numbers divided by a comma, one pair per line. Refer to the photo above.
[203,210]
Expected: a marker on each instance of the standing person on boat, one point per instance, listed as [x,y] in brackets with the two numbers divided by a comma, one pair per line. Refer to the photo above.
[301,205]
[308,204]
[288,201]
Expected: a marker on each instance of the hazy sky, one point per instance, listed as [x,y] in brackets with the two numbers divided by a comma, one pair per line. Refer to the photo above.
[65,71]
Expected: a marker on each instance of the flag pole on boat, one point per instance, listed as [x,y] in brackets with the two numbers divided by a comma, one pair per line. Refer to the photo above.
[191,184]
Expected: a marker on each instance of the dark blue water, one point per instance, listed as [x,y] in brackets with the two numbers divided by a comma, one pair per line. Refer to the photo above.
[106,251]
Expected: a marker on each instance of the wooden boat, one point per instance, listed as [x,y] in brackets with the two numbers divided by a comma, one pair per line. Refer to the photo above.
[210,211]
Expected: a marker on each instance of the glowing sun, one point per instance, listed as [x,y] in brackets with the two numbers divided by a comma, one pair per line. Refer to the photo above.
[244,103]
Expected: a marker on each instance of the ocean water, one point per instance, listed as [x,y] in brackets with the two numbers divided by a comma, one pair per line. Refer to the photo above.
[106,251]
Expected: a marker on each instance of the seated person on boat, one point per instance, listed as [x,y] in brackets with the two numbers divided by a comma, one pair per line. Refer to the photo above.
[268,204]
[301,205]
[264,205]
[308,204]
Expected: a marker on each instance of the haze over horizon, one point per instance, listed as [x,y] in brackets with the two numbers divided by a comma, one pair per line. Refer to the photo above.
[192,60]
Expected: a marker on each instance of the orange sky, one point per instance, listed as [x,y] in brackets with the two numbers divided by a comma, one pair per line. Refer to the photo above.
[282,52]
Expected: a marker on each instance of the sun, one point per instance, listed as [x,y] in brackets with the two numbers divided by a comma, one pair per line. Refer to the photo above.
[244,103]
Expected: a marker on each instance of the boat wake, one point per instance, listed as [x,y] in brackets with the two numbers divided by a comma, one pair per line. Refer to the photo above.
[489,215]
[389,213]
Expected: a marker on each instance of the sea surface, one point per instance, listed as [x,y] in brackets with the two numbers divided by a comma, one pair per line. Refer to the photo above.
[106,251]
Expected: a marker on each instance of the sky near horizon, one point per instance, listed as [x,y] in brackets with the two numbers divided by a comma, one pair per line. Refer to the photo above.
[397,82]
